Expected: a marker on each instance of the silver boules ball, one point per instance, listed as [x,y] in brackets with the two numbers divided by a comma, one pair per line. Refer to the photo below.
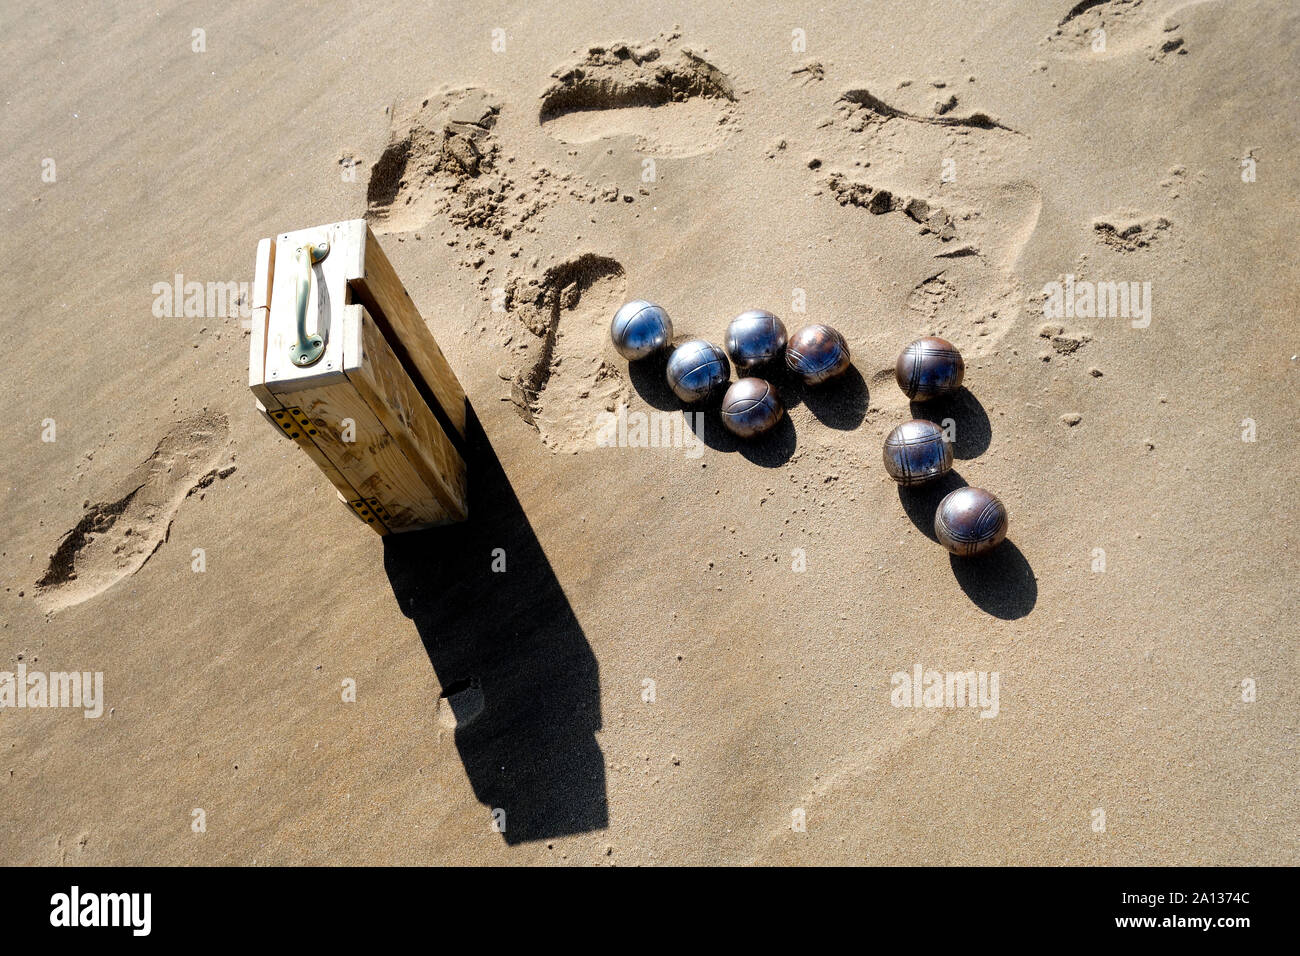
[755,339]
[697,370]
[817,353]
[640,329]
[970,521]
[929,368]
[917,452]
[751,407]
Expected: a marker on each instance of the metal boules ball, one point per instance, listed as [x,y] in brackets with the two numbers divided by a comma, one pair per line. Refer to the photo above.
[751,407]
[755,339]
[917,452]
[640,329]
[697,370]
[817,353]
[970,521]
[929,368]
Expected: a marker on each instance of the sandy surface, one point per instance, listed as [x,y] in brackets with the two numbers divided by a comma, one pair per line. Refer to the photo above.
[823,170]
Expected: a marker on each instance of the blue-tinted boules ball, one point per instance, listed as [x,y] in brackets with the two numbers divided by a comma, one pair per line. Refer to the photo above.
[640,329]
[755,339]
[817,353]
[751,407]
[917,452]
[697,370]
[970,521]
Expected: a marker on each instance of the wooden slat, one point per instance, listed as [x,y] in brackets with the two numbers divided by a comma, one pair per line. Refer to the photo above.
[374,464]
[261,409]
[262,274]
[282,417]
[380,290]
[261,314]
[374,370]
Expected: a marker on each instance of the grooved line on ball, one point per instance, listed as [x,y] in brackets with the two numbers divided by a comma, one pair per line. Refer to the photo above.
[990,511]
[803,361]
[919,440]
[914,378]
[698,367]
[733,411]
[633,317]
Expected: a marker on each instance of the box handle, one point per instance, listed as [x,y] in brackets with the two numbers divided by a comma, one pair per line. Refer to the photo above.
[309,348]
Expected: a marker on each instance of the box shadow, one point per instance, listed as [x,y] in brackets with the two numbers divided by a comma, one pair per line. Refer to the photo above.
[517,672]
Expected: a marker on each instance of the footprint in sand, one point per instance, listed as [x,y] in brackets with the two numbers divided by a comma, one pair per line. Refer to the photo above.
[953,172]
[933,168]
[1102,29]
[557,325]
[931,297]
[443,161]
[435,155]
[1129,231]
[673,101]
[116,536]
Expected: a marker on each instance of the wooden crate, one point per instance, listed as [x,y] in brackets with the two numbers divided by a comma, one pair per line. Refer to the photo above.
[379,411]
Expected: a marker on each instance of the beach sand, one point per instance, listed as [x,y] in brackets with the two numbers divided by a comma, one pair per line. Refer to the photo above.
[690,653]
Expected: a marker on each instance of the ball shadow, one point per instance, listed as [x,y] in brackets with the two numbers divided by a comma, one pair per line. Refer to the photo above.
[973,432]
[769,451]
[648,378]
[1001,582]
[773,449]
[706,422]
[840,403]
[920,502]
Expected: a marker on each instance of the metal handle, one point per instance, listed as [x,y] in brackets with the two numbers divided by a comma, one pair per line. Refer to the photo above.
[309,348]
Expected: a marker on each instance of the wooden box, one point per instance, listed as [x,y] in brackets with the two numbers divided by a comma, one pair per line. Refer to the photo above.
[365,391]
